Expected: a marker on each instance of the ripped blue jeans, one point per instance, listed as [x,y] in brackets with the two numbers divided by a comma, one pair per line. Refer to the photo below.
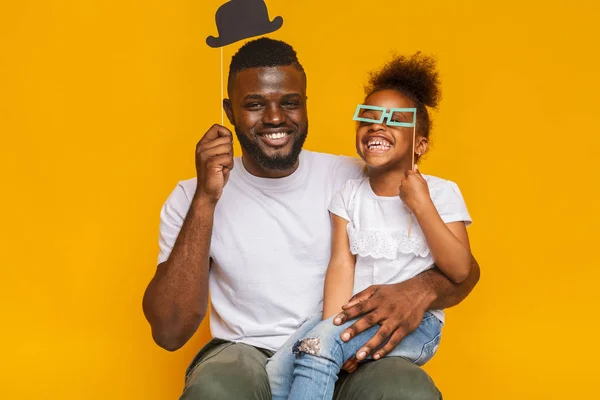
[307,365]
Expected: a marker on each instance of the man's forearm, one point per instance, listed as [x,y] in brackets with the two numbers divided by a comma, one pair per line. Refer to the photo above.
[443,292]
[176,299]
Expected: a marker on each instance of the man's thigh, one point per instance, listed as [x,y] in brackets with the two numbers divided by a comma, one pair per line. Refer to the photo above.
[388,378]
[225,370]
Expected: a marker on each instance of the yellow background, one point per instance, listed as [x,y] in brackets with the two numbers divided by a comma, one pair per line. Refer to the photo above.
[102,102]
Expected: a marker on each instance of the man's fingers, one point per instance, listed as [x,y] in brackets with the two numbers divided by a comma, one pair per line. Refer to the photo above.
[214,132]
[347,364]
[360,325]
[203,146]
[350,365]
[220,162]
[224,132]
[375,342]
[394,341]
[354,311]
[217,151]
[360,296]
[355,304]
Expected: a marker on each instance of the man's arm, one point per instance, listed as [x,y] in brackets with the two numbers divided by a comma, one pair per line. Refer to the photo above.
[446,293]
[399,308]
[176,298]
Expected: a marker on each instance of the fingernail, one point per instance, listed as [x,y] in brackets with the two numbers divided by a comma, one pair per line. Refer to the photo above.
[345,336]
[361,355]
[338,320]
[376,356]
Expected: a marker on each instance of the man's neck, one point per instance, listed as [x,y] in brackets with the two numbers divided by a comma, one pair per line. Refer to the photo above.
[254,169]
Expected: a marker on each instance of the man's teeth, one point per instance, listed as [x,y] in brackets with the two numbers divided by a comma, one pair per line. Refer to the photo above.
[378,144]
[273,136]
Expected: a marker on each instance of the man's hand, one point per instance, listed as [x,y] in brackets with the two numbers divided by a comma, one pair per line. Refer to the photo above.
[214,161]
[350,365]
[398,308]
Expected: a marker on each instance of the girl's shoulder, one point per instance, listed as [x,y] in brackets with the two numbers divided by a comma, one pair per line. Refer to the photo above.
[352,185]
[433,180]
[437,184]
[446,195]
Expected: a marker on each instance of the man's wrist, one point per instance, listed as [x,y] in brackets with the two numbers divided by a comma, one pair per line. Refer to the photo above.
[203,203]
[431,296]
[428,292]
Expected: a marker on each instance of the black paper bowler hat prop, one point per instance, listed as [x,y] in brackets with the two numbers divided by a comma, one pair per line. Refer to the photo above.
[242,19]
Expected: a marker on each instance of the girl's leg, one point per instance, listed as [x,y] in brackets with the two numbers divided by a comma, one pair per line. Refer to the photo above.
[280,367]
[422,343]
[321,354]
[319,358]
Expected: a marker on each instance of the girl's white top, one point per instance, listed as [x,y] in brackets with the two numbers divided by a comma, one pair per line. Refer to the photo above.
[378,231]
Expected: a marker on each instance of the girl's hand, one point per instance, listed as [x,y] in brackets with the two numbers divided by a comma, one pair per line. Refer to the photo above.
[414,191]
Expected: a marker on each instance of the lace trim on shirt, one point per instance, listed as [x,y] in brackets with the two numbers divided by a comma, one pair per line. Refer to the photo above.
[379,244]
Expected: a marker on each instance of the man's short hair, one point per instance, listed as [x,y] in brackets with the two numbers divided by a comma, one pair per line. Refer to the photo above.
[262,53]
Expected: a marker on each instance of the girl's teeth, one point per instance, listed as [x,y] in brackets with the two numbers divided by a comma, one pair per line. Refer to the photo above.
[378,144]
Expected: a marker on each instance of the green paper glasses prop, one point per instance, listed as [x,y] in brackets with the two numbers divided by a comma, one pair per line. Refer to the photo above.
[393,117]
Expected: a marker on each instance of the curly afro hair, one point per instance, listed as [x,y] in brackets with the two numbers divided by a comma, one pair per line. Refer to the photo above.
[415,77]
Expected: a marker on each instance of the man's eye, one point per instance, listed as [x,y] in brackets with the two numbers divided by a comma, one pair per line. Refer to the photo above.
[253,105]
[291,104]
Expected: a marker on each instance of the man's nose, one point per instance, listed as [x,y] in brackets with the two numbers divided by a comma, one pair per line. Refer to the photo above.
[273,115]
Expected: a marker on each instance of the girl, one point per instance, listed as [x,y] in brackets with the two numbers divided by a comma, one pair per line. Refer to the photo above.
[387,228]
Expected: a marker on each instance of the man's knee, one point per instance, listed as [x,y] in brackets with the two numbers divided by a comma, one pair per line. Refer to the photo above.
[232,372]
[203,387]
[397,378]
[227,383]
[389,378]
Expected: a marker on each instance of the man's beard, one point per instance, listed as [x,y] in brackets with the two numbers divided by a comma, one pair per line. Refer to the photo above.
[276,163]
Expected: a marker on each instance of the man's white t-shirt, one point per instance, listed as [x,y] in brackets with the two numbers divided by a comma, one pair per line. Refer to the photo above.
[270,246]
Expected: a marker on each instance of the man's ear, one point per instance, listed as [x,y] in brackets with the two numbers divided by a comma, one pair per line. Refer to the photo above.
[228,111]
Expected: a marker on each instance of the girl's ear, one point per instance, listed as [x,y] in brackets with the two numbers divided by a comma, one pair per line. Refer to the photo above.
[422,146]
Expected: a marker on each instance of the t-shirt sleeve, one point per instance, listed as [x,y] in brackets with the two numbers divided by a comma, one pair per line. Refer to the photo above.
[172,215]
[449,203]
[347,168]
[340,202]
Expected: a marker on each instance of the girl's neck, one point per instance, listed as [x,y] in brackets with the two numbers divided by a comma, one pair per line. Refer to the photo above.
[386,182]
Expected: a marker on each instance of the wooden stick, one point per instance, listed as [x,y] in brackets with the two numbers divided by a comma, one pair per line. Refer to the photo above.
[412,165]
[221,105]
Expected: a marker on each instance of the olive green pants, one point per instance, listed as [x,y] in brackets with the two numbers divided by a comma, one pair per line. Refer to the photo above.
[224,370]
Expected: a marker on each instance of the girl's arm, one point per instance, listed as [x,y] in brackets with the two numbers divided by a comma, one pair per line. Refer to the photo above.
[339,280]
[448,243]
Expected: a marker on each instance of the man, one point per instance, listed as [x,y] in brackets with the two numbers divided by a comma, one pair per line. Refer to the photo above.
[258,236]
